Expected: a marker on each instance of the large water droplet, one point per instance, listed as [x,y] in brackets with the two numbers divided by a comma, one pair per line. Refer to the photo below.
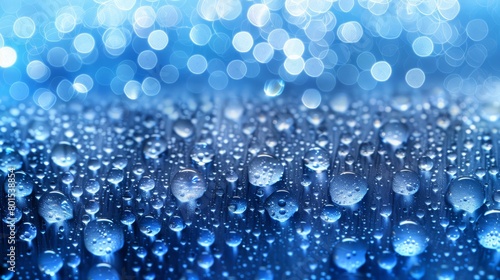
[348,188]
[409,239]
[188,185]
[64,154]
[405,182]
[102,237]
[264,170]
[55,207]
[488,230]
[466,194]
[281,205]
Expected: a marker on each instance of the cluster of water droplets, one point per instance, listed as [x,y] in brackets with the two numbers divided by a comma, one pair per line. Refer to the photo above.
[199,187]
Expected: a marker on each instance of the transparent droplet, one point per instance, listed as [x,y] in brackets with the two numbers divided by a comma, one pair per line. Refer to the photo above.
[188,185]
[348,188]
[264,170]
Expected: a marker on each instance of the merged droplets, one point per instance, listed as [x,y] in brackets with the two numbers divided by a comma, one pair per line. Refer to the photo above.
[188,185]
[64,154]
[466,194]
[55,207]
[264,170]
[405,182]
[317,159]
[488,230]
[281,205]
[409,239]
[348,188]
[394,133]
[102,237]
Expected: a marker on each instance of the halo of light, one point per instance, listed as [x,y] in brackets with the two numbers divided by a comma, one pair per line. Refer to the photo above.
[197,64]
[236,69]
[38,71]
[24,27]
[293,48]
[84,43]
[150,86]
[350,32]
[415,77]
[258,14]
[242,41]
[311,98]
[200,34]
[169,74]
[423,46]
[263,52]
[83,83]
[8,57]
[65,23]
[381,71]
[158,40]
[19,91]
[218,80]
[314,67]
[147,60]
[294,66]
[477,29]
[145,16]
[57,57]
[132,89]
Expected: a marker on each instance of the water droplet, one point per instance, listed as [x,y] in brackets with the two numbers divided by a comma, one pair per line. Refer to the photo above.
[488,230]
[274,87]
[394,133]
[188,185]
[348,188]
[64,154]
[466,194]
[55,207]
[281,205]
[409,239]
[102,237]
[317,159]
[349,254]
[405,182]
[264,170]
[9,158]
[154,146]
[50,263]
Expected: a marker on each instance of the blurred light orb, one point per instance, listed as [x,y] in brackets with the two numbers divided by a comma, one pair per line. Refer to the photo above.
[258,15]
[350,32]
[158,40]
[381,71]
[8,57]
[415,77]
[24,27]
[84,43]
[243,41]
